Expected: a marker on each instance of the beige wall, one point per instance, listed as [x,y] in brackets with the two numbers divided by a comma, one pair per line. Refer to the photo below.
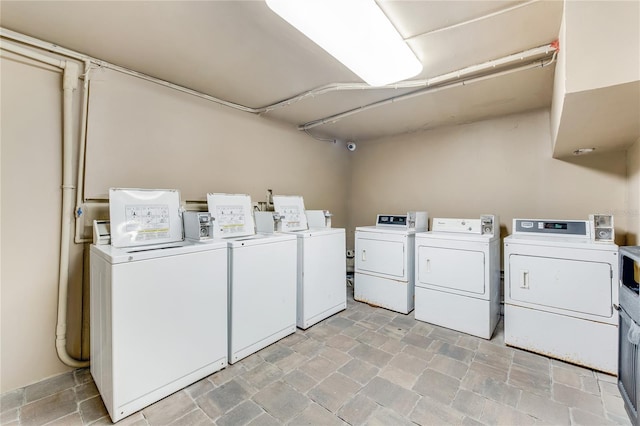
[633,193]
[31,178]
[500,166]
[596,86]
[602,43]
[141,135]
[176,140]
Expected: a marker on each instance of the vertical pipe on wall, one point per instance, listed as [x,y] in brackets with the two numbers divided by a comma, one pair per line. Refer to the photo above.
[81,154]
[69,84]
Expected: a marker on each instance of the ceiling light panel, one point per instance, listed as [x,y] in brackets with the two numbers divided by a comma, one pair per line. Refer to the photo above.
[355,32]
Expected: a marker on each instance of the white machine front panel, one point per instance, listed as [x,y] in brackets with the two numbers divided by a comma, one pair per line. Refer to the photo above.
[262,295]
[169,320]
[588,343]
[322,287]
[291,209]
[384,292]
[581,287]
[232,215]
[384,254]
[474,316]
[143,216]
[453,269]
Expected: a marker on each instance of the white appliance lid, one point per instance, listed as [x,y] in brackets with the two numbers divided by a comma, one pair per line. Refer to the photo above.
[144,216]
[232,213]
[291,209]
[115,255]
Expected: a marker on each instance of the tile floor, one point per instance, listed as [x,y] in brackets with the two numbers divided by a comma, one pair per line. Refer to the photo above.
[364,365]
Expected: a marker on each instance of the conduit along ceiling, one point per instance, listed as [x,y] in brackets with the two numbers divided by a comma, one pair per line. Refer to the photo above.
[481,59]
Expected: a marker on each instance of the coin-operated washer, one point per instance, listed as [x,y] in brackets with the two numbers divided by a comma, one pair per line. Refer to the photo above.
[158,303]
[384,266]
[321,276]
[561,291]
[262,277]
[458,274]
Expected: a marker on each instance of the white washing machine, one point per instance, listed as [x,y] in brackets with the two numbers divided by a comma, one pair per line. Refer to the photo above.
[384,261]
[458,275]
[561,291]
[158,311]
[321,276]
[262,277]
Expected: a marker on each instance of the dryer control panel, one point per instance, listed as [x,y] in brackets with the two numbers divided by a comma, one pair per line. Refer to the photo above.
[471,226]
[411,220]
[565,228]
[488,224]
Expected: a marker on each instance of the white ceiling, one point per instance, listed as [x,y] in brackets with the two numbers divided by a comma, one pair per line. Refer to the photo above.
[239,51]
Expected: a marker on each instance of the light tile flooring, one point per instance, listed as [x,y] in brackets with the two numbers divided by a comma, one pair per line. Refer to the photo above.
[365,365]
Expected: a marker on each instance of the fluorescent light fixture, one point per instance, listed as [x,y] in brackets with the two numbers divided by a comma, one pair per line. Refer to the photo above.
[355,32]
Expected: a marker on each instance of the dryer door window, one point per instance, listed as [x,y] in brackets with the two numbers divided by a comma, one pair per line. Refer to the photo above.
[458,270]
[381,257]
[572,285]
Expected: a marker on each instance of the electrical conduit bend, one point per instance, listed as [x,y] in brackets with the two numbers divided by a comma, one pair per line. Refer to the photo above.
[69,84]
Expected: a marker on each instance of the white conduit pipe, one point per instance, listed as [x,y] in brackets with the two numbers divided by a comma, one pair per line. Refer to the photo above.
[530,54]
[81,153]
[334,118]
[69,84]
[28,53]
[31,41]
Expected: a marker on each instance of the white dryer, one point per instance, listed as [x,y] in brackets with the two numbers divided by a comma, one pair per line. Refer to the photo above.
[321,276]
[262,277]
[561,290]
[458,275]
[158,311]
[384,261]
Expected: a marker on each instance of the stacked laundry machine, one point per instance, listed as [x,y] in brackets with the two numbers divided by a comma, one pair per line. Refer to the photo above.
[561,290]
[262,276]
[158,303]
[321,285]
[384,261]
[457,276]
[629,335]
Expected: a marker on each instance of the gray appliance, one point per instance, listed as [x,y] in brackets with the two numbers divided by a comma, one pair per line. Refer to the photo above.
[629,337]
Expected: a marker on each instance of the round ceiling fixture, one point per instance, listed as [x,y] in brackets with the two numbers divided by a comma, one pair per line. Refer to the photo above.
[583,151]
